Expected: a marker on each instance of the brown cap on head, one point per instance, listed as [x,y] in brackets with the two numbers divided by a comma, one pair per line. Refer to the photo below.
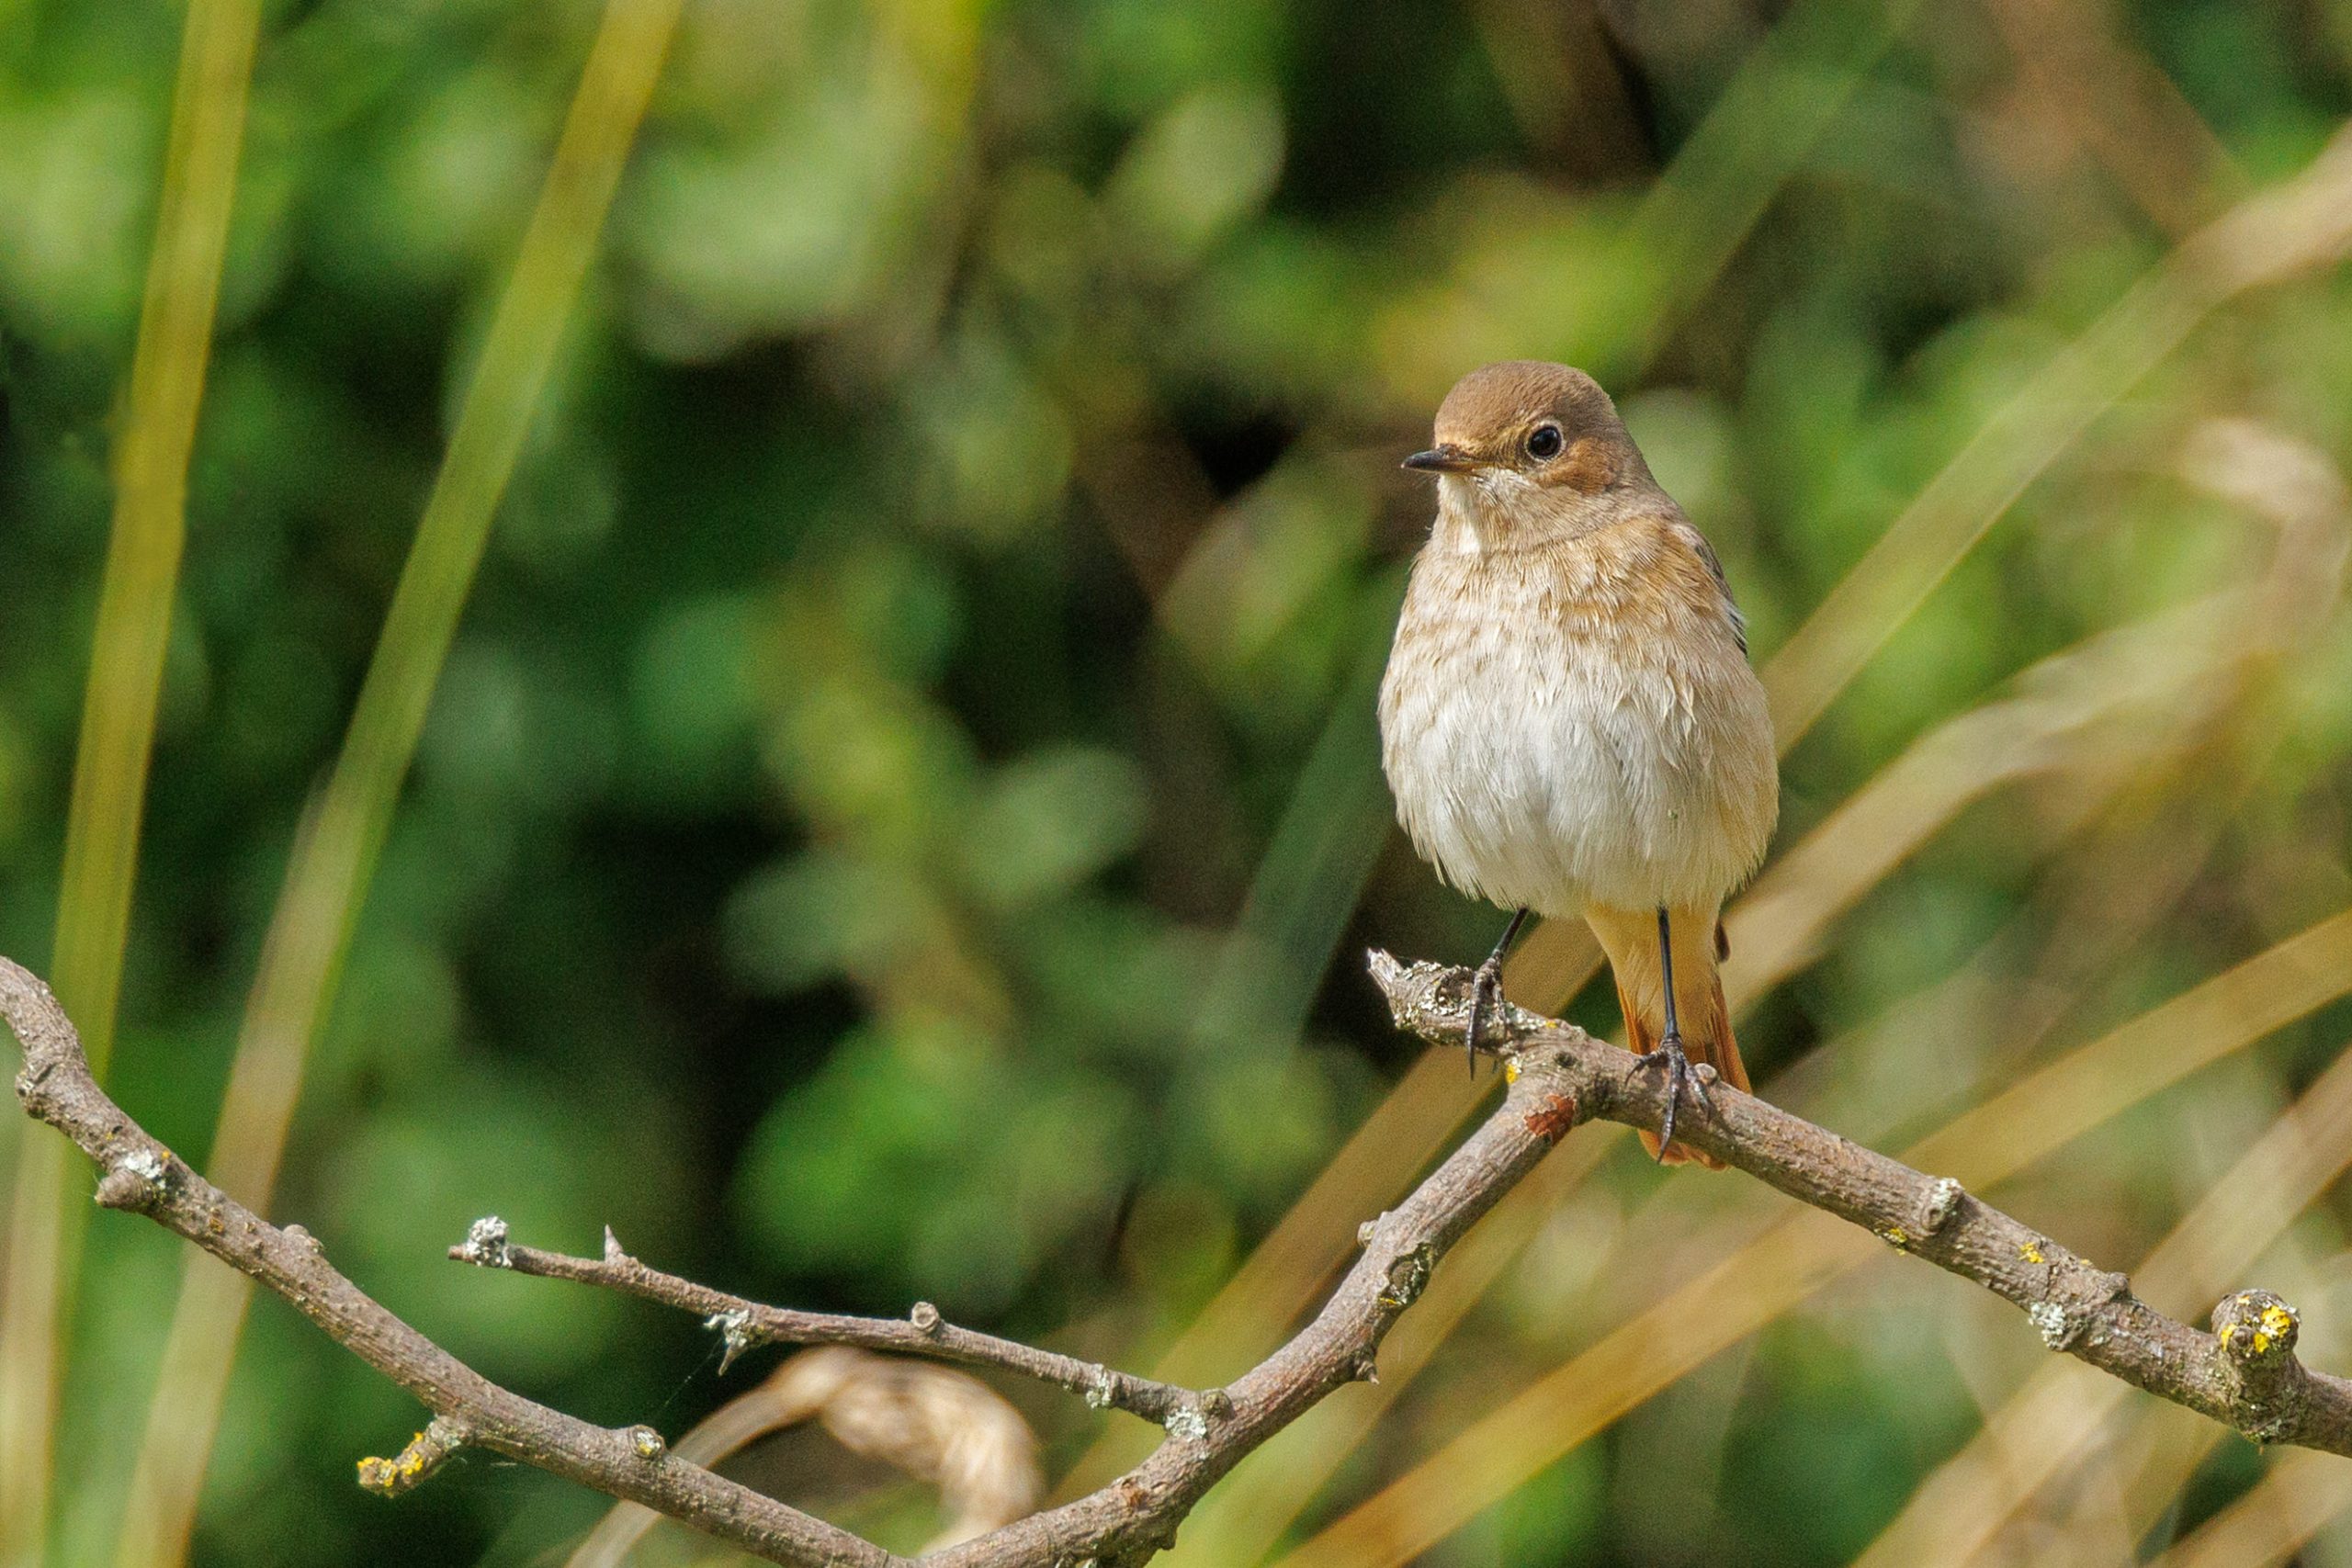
[1553,422]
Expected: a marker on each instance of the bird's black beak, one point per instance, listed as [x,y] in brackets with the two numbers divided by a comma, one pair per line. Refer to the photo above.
[1445,459]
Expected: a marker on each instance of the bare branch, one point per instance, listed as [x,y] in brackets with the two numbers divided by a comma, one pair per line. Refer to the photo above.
[746,1324]
[469,1410]
[2245,1374]
[1125,1523]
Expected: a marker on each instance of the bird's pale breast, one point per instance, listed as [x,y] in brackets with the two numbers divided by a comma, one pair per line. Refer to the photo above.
[1576,722]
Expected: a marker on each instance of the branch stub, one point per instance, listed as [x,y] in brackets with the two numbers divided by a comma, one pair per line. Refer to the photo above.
[135,1182]
[2256,1331]
[426,1453]
[1943,1202]
[485,1245]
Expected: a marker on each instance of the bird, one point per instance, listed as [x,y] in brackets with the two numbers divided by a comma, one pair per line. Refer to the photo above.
[1569,720]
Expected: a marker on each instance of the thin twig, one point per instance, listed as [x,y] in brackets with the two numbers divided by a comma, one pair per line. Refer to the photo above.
[746,1324]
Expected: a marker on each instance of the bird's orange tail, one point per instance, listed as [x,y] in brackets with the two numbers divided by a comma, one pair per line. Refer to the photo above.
[1630,941]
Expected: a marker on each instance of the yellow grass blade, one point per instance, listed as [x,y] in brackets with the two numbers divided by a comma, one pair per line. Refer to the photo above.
[118,716]
[327,880]
[2146,1458]
[2144,1466]
[1690,221]
[2127,698]
[2133,1474]
[2047,1426]
[2300,224]
[2049,1422]
[2303,1494]
[1308,883]
[2123,110]
[1753,139]
[2030,1119]
[1253,1508]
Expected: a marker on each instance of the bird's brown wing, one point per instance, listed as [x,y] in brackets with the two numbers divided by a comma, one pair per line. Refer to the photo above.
[1706,552]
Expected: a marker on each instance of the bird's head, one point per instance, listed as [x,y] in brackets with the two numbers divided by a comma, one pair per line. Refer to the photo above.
[1526,451]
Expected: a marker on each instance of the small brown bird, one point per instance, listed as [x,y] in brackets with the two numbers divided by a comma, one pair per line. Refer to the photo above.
[1568,721]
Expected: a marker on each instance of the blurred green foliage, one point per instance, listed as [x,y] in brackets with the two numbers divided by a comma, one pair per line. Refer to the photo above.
[899,809]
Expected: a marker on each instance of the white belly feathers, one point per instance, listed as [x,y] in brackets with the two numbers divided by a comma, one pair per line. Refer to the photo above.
[1547,760]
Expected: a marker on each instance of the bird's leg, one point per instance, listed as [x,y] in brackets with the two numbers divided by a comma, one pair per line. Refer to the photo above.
[1678,1066]
[1487,987]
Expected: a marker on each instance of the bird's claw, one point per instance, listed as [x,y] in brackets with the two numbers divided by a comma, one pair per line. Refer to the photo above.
[1485,991]
[1679,1076]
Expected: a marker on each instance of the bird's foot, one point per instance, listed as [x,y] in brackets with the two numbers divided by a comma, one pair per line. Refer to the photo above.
[1485,994]
[1678,1076]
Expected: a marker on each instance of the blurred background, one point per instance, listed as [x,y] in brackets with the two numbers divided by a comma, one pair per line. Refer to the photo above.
[802,688]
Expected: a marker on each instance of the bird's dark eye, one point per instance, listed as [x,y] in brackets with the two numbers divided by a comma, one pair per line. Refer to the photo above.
[1544,443]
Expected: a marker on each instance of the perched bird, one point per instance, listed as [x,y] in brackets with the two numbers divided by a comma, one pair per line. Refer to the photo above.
[1568,721]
